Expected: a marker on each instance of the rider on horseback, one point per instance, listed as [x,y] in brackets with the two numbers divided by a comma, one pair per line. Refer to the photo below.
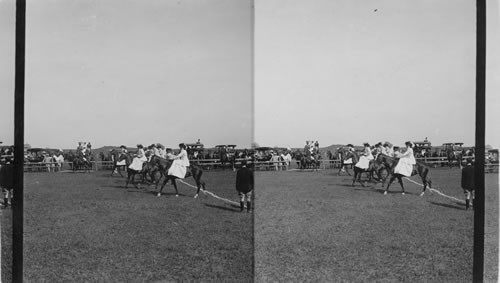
[121,161]
[387,150]
[406,161]
[180,164]
[161,150]
[364,159]
[378,150]
[139,159]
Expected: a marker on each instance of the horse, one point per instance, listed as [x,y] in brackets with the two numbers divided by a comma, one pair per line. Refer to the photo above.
[162,165]
[452,155]
[80,163]
[342,152]
[131,173]
[372,167]
[305,161]
[118,158]
[419,168]
[225,158]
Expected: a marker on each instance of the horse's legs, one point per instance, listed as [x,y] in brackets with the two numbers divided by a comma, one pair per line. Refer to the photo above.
[354,178]
[128,178]
[340,169]
[393,177]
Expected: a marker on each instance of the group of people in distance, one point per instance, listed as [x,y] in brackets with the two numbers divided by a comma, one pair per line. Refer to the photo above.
[311,148]
[84,150]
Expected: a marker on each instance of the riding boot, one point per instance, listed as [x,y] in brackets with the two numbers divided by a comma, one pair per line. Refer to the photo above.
[242,205]
[248,206]
[466,204]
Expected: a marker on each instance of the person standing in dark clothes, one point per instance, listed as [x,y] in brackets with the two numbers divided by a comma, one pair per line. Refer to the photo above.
[244,185]
[468,183]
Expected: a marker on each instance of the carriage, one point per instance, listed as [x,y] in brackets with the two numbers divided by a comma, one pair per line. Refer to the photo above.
[263,153]
[38,154]
[195,150]
[456,146]
[221,149]
[422,149]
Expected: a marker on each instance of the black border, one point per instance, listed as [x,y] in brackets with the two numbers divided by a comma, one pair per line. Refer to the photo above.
[18,200]
[478,260]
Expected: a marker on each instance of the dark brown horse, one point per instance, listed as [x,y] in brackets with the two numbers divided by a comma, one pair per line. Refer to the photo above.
[118,158]
[131,173]
[453,156]
[389,163]
[227,158]
[373,167]
[79,163]
[162,165]
[341,153]
[307,160]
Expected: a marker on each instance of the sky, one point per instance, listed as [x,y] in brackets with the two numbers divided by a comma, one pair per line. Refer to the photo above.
[174,71]
[130,71]
[366,71]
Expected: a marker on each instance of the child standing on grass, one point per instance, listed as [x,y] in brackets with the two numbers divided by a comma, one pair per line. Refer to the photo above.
[468,184]
[244,185]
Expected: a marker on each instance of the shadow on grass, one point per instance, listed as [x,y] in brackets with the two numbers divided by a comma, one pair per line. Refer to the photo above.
[375,190]
[448,205]
[233,208]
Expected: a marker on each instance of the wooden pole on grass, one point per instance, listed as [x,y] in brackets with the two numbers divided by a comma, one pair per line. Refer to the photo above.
[478,260]
[18,197]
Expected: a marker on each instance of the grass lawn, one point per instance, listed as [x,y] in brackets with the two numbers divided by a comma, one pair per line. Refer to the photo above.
[313,226]
[88,227]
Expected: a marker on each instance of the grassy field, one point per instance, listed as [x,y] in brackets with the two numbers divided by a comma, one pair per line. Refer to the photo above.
[309,226]
[313,226]
[88,227]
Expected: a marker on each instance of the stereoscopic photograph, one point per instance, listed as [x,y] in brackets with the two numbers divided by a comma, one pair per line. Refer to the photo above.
[138,122]
[374,101]
[249,141]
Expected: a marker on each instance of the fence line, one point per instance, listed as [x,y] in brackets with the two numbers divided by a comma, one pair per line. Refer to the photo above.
[258,165]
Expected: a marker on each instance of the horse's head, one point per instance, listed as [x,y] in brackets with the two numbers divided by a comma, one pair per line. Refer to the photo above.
[349,154]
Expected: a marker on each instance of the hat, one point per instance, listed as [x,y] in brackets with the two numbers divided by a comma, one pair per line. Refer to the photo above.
[140,146]
[122,146]
[350,145]
[387,144]
[366,144]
